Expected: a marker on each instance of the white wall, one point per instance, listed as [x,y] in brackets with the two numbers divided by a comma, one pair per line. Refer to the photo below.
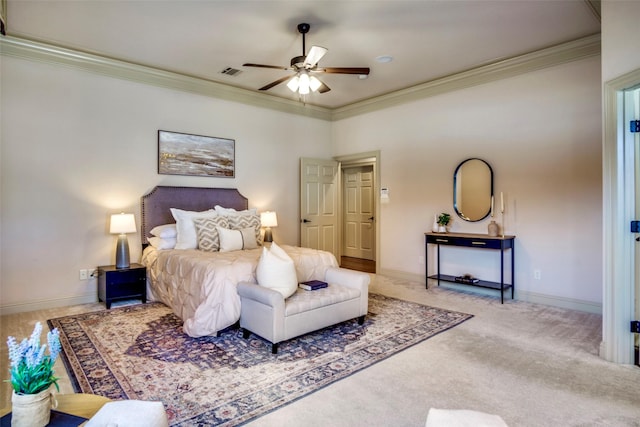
[541,133]
[76,147]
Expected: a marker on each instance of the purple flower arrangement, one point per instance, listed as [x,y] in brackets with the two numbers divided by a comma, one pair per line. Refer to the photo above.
[31,370]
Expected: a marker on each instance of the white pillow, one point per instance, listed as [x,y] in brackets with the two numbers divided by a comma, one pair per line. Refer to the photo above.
[165,231]
[130,413]
[187,237]
[276,271]
[160,243]
[235,240]
[230,211]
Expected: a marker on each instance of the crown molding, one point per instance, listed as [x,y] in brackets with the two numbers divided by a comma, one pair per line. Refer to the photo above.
[544,58]
[48,53]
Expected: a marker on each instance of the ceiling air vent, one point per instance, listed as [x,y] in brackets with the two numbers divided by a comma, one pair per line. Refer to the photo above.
[231,71]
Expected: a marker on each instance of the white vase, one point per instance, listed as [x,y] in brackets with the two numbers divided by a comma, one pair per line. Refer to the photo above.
[434,227]
[493,229]
[442,229]
[31,410]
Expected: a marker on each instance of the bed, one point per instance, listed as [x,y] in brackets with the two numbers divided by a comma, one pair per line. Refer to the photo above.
[200,285]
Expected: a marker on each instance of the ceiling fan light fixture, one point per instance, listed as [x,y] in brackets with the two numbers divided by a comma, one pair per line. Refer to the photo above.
[314,83]
[294,83]
[303,87]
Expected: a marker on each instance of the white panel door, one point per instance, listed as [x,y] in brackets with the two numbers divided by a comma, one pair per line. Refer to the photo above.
[319,204]
[358,212]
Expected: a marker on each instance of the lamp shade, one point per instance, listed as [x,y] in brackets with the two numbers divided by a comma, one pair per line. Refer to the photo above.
[122,223]
[268,219]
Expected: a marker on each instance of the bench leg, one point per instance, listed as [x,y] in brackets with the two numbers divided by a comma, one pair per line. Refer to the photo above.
[246,333]
[361,320]
[274,348]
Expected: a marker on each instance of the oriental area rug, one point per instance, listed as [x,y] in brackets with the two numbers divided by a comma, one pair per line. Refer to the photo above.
[140,352]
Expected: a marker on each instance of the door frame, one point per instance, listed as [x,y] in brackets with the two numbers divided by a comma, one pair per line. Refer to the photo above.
[619,246]
[369,157]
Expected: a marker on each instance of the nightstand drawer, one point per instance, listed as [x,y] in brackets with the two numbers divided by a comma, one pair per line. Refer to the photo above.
[117,277]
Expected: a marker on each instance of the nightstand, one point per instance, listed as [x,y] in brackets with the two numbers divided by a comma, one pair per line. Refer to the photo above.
[122,283]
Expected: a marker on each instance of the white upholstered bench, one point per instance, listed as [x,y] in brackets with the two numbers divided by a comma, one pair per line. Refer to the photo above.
[266,313]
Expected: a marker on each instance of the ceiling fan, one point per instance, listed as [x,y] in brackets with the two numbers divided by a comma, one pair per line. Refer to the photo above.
[305,68]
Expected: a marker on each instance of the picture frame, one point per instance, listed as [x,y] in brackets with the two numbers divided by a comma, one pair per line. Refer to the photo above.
[195,155]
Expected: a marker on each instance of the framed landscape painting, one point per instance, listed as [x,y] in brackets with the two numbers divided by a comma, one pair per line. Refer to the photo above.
[186,154]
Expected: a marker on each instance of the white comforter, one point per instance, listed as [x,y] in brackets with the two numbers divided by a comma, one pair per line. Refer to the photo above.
[200,286]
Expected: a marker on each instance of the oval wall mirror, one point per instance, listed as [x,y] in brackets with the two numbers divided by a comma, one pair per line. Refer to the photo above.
[472,189]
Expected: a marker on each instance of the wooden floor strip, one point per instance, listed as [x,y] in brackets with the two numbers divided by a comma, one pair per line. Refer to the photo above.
[359,264]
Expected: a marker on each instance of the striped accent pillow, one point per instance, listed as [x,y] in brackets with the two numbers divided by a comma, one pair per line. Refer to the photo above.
[248,220]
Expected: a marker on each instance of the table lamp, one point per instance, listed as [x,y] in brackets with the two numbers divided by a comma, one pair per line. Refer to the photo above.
[122,224]
[268,219]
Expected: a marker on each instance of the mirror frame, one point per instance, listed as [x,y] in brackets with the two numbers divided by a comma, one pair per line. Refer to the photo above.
[455,179]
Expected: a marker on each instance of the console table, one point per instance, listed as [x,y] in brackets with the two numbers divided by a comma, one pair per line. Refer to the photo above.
[481,241]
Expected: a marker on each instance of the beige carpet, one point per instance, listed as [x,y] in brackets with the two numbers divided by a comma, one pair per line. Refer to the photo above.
[530,364]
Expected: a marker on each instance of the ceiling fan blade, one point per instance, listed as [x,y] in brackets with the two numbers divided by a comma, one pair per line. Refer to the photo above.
[324,88]
[277,67]
[277,82]
[315,54]
[344,70]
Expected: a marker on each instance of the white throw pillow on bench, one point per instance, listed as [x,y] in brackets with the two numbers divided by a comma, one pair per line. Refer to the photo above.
[277,271]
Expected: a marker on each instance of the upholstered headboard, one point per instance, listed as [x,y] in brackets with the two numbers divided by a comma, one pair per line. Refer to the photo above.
[156,204]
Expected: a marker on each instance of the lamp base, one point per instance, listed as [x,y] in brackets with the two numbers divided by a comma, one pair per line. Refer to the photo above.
[122,252]
[268,237]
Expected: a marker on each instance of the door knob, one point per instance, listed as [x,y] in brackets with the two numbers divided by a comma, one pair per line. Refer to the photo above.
[305,220]
[371,218]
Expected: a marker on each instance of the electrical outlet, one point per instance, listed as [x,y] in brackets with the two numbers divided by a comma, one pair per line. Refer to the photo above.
[83,274]
[537,274]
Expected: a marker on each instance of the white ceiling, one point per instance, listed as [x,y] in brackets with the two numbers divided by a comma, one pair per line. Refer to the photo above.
[427,39]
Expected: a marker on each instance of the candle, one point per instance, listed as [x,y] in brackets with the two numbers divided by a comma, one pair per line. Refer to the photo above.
[501,203]
[491,206]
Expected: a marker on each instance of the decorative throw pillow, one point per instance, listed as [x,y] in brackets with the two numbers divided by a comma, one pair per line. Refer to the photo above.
[235,240]
[166,231]
[246,220]
[187,237]
[160,243]
[277,271]
[207,232]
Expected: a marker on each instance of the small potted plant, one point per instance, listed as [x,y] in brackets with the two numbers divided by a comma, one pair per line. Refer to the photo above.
[31,377]
[443,221]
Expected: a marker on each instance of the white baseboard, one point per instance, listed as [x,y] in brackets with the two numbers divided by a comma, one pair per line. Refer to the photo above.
[562,302]
[86,298]
[551,300]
